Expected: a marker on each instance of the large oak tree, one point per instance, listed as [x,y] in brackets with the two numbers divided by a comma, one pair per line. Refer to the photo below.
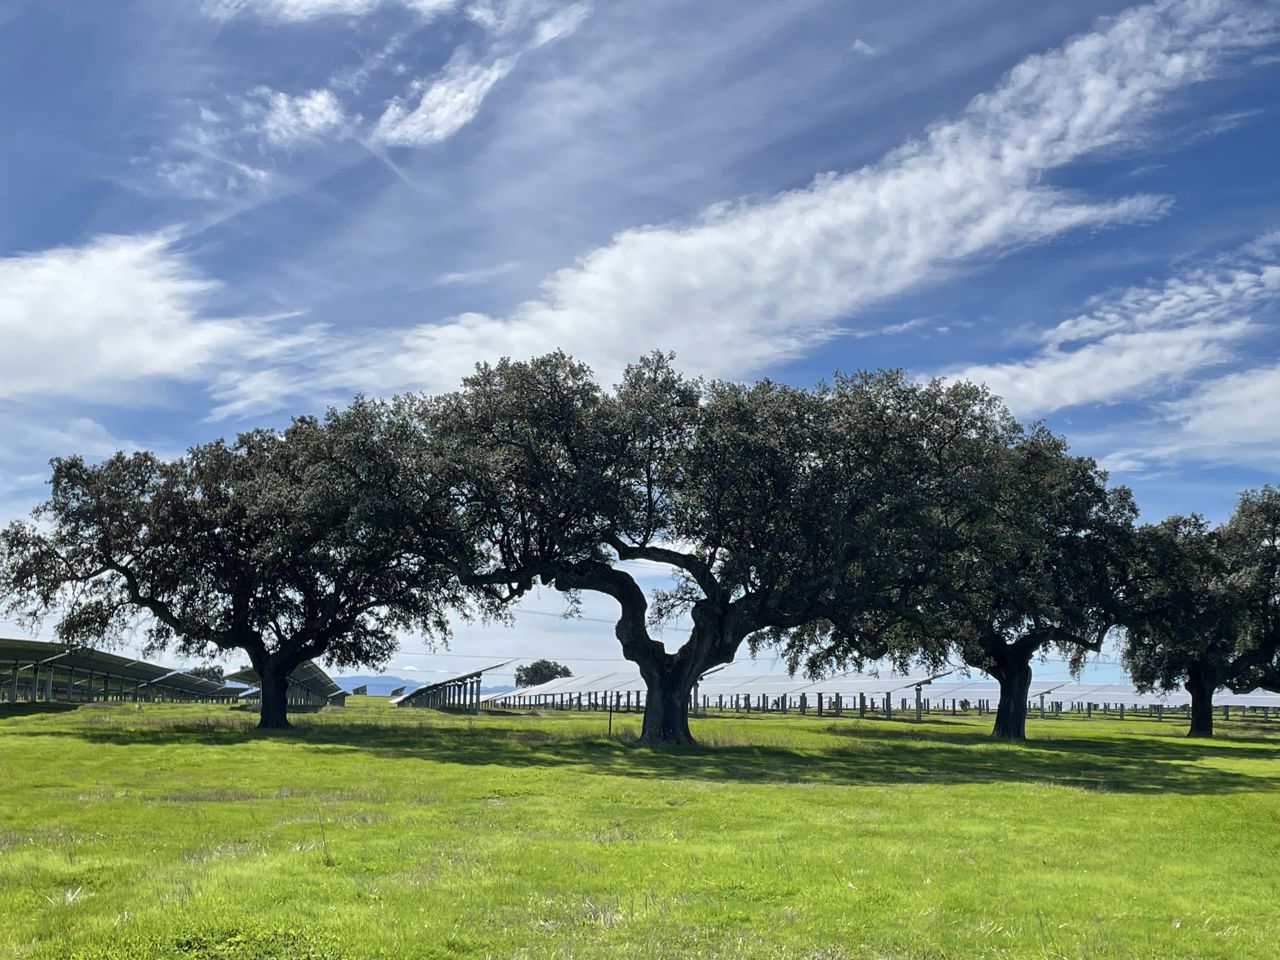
[1204,610]
[1019,547]
[773,506]
[283,545]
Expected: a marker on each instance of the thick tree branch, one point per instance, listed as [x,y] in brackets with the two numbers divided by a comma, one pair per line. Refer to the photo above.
[631,629]
[692,565]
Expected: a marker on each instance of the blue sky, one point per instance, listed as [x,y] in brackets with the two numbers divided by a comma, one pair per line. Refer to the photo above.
[217,213]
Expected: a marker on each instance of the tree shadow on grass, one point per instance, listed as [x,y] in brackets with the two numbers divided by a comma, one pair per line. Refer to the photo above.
[859,755]
[10,711]
[1161,744]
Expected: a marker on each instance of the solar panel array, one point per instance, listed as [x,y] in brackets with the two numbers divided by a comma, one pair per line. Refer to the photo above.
[781,692]
[37,670]
[460,692]
[309,686]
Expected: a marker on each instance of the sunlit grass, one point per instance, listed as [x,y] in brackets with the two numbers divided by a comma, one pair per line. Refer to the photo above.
[177,831]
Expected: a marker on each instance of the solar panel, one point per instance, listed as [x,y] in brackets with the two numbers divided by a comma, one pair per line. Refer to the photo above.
[429,691]
[308,675]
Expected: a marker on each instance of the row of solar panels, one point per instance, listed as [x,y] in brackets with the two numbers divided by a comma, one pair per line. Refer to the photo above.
[850,686]
[26,657]
[424,693]
[308,676]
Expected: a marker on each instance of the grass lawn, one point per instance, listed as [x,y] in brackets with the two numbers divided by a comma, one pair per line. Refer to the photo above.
[178,831]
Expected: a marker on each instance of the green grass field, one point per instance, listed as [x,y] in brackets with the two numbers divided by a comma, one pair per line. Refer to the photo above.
[178,831]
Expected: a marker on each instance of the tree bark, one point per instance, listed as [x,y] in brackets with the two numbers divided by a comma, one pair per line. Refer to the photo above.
[1015,685]
[1200,684]
[666,707]
[274,687]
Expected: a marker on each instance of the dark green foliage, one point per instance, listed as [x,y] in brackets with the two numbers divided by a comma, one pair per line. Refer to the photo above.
[1007,546]
[209,671]
[1253,539]
[1204,608]
[774,506]
[540,671]
[283,545]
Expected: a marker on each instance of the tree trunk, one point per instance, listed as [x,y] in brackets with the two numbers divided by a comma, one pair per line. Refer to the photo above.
[275,698]
[666,705]
[669,679]
[1015,685]
[1200,684]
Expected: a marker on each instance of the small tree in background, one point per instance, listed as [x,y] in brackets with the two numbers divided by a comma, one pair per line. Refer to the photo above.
[540,671]
[209,671]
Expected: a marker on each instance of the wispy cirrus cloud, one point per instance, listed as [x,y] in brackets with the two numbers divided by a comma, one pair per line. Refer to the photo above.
[752,283]
[561,23]
[223,154]
[1233,419]
[297,11]
[445,103]
[436,108]
[1221,420]
[1111,369]
[479,275]
[1142,340]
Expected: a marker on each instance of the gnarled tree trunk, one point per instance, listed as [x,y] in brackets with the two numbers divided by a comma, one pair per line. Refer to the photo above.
[1014,675]
[1200,684]
[669,678]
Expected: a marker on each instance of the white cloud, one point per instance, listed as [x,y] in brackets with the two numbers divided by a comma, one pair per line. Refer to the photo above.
[1121,366]
[449,101]
[1143,338]
[861,46]
[498,16]
[561,24]
[1232,419]
[479,275]
[1240,408]
[69,434]
[87,321]
[295,11]
[353,79]
[290,120]
[445,105]
[203,162]
[753,283]
[215,155]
